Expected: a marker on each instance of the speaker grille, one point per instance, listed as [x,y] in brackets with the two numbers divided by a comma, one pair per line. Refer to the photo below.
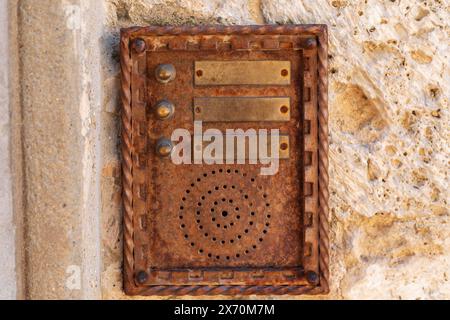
[225,214]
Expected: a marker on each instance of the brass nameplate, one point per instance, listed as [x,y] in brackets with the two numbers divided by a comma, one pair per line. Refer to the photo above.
[242,109]
[242,73]
[242,141]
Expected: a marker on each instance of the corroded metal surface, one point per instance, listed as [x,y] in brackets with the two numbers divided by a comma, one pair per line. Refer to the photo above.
[223,229]
[246,153]
[127,175]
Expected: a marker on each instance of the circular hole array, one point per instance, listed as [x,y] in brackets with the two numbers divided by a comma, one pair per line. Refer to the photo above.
[227,217]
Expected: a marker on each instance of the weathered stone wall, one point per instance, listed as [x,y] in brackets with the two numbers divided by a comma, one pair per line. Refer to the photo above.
[60,99]
[8,287]
[389,133]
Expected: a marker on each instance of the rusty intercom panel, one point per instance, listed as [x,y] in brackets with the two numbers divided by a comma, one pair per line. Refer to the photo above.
[203,222]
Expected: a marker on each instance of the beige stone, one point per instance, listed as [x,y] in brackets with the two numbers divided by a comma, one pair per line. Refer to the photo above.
[357,114]
[389,138]
[421,57]
[390,62]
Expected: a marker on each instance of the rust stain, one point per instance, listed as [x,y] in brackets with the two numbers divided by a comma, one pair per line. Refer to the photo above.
[224,229]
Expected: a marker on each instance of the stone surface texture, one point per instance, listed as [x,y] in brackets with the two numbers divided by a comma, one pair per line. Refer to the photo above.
[389,134]
[389,140]
[8,286]
[59,86]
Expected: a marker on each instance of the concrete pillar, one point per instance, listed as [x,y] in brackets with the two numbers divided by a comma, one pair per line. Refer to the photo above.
[8,275]
[60,216]
[59,74]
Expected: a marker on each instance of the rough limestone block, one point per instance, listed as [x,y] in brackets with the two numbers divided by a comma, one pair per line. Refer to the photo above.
[389,134]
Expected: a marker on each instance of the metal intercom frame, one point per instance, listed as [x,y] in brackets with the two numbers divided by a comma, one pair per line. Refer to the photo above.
[315,219]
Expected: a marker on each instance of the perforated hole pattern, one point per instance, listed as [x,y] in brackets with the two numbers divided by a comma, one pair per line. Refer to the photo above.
[231,221]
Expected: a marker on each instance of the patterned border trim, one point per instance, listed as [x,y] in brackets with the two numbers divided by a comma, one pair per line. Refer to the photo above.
[127,162]
[324,227]
[312,29]
[320,31]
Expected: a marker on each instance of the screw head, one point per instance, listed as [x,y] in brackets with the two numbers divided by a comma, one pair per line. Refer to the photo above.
[311,43]
[164,147]
[164,109]
[142,277]
[165,73]
[312,277]
[284,146]
[139,45]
